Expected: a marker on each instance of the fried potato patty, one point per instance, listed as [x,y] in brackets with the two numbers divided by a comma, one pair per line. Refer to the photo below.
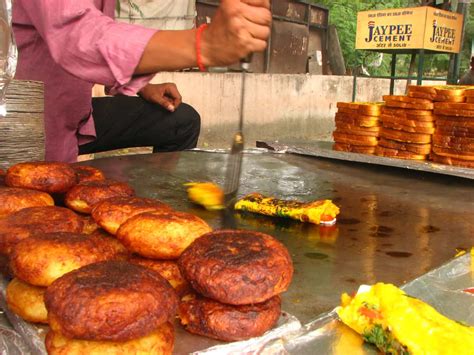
[51,177]
[167,269]
[112,300]
[45,257]
[27,301]
[161,235]
[87,173]
[110,214]
[90,226]
[160,341]
[22,224]
[237,266]
[216,320]
[84,196]
[13,199]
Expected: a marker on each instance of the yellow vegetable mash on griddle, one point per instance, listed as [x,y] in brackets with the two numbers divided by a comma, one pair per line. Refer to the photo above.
[322,211]
[400,324]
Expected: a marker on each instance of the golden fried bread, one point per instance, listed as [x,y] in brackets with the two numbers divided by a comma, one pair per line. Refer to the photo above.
[84,196]
[348,105]
[401,127]
[452,161]
[422,88]
[402,154]
[27,301]
[342,147]
[111,213]
[159,341]
[450,90]
[43,176]
[421,115]
[459,143]
[352,129]
[407,122]
[359,120]
[161,235]
[405,136]
[112,301]
[453,153]
[455,112]
[419,149]
[421,95]
[22,224]
[406,99]
[354,139]
[45,257]
[444,98]
[169,270]
[87,173]
[348,111]
[406,105]
[213,319]
[13,199]
[469,100]
[453,122]
[370,108]
[237,266]
[454,106]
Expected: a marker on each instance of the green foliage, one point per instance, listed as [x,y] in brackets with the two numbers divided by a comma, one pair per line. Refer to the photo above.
[343,14]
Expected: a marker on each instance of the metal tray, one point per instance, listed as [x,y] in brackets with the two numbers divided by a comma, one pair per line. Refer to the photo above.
[324,150]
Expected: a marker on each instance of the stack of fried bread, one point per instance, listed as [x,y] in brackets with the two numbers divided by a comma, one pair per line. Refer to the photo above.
[357,127]
[238,276]
[453,141]
[469,94]
[407,126]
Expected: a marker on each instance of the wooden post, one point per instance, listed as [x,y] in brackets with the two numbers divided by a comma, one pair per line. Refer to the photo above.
[22,130]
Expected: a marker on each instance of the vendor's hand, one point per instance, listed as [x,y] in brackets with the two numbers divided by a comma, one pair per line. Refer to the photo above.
[165,95]
[238,28]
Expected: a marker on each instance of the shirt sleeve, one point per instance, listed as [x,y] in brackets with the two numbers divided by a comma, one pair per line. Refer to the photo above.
[90,45]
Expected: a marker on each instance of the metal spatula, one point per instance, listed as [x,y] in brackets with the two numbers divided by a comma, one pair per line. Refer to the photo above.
[234,160]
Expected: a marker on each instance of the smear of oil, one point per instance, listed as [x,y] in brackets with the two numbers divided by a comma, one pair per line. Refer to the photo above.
[316,256]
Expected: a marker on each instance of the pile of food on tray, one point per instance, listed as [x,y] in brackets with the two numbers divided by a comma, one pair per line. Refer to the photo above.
[110,271]
[429,123]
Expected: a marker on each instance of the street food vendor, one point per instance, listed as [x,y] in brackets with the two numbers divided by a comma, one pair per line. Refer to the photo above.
[71,45]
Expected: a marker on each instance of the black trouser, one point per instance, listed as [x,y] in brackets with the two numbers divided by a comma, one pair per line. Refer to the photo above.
[129,121]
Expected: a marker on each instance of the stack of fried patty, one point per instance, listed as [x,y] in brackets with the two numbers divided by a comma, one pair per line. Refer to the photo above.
[408,125]
[453,142]
[112,307]
[41,241]
[357,127]
[238,276]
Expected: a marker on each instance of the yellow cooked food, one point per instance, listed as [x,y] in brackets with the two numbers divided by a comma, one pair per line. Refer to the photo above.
[322,211]
[400,324]
[206,194]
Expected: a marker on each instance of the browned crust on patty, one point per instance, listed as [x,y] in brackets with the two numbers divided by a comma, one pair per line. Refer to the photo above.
[51,177]
[13,199]
[111,213]
[160,341]
[216,320]
[161,235]
[27,301]
[167,269]
[112,300]
[237,266]
[45,257]
[86,173]
[2,177]
[22,224]
[84,196]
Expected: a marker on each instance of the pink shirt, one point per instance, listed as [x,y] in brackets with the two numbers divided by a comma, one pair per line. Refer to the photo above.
[70,45]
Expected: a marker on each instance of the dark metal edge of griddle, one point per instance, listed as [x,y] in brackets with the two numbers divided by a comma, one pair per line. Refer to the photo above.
[323,149]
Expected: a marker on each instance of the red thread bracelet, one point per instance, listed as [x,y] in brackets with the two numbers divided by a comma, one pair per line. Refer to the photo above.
[198,47]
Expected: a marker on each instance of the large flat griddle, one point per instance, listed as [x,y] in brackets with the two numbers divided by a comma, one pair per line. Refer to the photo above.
[395,225]
[324,149]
